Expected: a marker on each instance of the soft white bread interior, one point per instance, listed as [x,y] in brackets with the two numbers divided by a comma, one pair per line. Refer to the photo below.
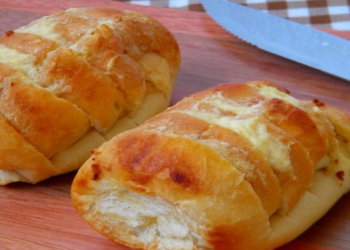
[237,166]
[72,80]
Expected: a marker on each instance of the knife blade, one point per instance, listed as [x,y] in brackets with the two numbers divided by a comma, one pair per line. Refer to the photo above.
[283,37]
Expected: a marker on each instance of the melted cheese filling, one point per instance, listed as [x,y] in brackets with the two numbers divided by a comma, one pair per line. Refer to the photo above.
[273,149]
[271,92]
[18,61]
[43,29]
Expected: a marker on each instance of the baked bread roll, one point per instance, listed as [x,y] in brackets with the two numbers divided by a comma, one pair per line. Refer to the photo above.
[72,80]
[237,166]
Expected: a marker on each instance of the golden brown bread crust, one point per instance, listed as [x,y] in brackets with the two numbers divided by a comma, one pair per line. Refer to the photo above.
[230,167]
[76,76]
[236,149]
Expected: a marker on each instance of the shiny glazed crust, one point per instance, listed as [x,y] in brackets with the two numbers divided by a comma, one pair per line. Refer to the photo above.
[237,166]
[74,79]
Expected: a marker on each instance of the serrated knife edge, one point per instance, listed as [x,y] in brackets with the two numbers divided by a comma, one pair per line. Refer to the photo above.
[324,51]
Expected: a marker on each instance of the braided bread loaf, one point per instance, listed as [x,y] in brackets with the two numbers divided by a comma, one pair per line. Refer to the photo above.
[237,166]
[73,80]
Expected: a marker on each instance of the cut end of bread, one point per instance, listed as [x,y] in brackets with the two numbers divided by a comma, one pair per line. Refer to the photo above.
[143,221]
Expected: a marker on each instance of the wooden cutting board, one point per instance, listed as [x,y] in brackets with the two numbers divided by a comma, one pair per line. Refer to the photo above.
[42,217]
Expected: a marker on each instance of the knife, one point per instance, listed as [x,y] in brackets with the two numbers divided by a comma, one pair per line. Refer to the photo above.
[283,37]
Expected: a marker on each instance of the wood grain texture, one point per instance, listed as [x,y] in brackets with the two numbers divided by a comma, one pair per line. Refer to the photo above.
[42,217]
